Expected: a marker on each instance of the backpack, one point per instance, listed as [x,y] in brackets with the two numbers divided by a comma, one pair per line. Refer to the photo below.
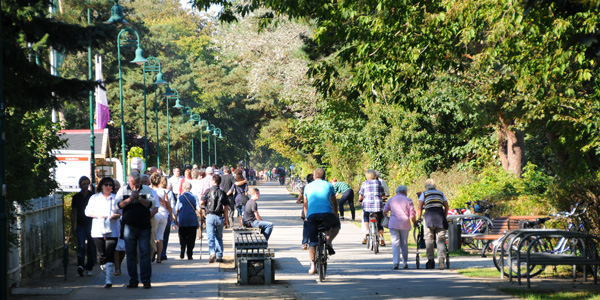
[214,204]
[242,195]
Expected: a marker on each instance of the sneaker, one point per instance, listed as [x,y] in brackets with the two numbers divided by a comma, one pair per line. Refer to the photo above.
[88,273]
[430,264]
[382,242]
[103,268]
[364,242]
[405,266]
[395,266]
[80,271]
[342,218]
[132,285]
[442,263]
[219,260]
[147,285]
[212,258]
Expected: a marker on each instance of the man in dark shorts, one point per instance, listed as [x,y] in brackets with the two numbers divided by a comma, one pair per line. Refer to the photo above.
[320,204]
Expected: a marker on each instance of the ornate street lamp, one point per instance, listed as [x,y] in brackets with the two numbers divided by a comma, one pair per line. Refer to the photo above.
[152,65]
[219,136]
[209,129]
[117,12]
[139,59]
[174,94]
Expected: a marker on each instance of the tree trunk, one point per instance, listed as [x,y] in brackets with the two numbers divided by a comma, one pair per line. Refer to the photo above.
[511,147]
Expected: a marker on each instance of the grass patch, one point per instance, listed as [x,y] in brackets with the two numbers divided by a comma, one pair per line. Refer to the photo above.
[534,294]
[479,272]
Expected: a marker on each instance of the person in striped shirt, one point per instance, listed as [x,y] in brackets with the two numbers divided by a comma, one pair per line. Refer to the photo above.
[436,209]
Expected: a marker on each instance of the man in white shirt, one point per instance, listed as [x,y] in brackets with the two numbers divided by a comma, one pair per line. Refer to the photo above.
[174,183]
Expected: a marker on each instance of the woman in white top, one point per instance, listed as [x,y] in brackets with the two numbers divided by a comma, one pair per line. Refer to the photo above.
[164,211]
[105,225]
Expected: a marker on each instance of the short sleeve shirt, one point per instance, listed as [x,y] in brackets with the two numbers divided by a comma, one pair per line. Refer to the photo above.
[249,210]
[318,194]
[372,190]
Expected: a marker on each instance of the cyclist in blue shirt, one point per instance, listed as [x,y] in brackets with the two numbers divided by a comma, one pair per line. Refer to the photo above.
[320,205]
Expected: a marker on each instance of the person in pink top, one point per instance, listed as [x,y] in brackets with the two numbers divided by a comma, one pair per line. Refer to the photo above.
[403,212]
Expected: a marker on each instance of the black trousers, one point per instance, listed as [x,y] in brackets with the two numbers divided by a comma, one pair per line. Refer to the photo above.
[347,196]
[187,240]
[106,249]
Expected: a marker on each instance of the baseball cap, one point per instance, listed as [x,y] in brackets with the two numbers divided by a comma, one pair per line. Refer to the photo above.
[209,170]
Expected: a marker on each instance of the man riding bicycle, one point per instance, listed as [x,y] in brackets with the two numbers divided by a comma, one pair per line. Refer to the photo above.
[320,206]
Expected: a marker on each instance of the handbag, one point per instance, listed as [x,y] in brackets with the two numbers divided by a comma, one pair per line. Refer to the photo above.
[386,221]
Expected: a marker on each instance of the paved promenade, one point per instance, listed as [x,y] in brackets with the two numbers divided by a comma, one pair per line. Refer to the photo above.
[353,272]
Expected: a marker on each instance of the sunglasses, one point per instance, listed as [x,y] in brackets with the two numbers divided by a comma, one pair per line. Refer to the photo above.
[108,184]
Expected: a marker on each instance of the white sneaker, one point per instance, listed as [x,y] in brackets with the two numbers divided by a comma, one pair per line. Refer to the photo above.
[103,268]
[89,273]
[442,263]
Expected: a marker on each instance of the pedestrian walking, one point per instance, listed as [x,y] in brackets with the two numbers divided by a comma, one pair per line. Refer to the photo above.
[81,225]
[162,216]
[105,225]
[217,205]
[436,209]
[402,213]
[136,201]
[187,220]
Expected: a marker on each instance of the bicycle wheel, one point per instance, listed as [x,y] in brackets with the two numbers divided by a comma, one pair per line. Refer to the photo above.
[376,244]
[498,257]
[321,256]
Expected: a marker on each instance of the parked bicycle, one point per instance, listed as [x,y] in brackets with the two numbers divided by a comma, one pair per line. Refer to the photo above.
[472,226]
[562,246]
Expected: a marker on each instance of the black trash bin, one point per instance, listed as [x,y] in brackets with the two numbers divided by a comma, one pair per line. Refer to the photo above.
[454,235]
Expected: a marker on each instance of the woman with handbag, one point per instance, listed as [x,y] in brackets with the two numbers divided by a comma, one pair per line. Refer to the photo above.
[402,213]
[106,225]
[186,217]
[240,190]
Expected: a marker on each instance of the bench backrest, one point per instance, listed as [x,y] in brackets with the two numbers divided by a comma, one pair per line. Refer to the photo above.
[501,225]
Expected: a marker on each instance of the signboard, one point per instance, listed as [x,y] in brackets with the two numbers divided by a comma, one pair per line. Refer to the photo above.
[68,171]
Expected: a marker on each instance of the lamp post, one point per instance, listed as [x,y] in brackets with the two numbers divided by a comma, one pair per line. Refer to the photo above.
[152,65]
[167,93]
[116,17]
[172,95]
[140,60]
[186,111]
[220,136]
[201,123]
[208,130]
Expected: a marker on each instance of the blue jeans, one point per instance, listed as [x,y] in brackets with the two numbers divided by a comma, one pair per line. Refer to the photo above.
[214,231]
[84,234]
[265,227]
[134,238]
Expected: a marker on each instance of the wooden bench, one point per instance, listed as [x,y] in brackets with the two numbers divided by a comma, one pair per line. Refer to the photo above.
[500,226]
[586,254]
